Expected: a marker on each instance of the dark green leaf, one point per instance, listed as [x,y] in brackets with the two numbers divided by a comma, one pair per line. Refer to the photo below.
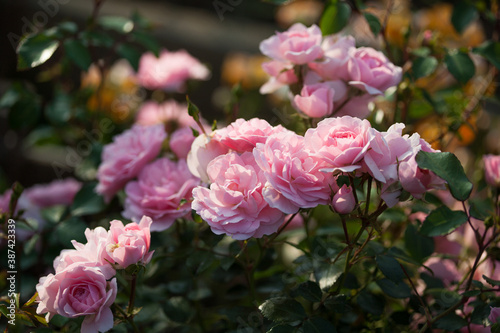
[451,322]
[193,110]
[491,51]
[97,38]
[337,304]
[34,50]
[418,246]
[374,23]
[282,328]
[371,303]
[68,27]
[442,221]
[58,111]
[309,290]
[87,201]
[78,53]
[130,53]
[335,17]
[25,113]
[390,267]
[448,167]
[53,214]
[394,290]
[460,66]
[471,293]
[178,309]
[282,309]
[71,229]
[491,281]
[481,209]
[318,325]
[463,14]
[117,23]
[10,97]
[424,66]
[146,40]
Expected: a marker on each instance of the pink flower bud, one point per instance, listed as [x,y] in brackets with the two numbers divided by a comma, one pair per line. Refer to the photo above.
[492,169]
[343,201]
[315,100]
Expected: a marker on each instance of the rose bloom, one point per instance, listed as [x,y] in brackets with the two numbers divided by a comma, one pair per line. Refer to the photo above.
[371,71]
[298,45]
[492,169]
[203,150]
[125,157]
[294,177]
[161,191]
[234,204]
[58,192]
[128,245]
[336,55]
[282,74]
[170,70]
[340,142]
[180,142]
[91,254]
[316,101]
[76,291]
[172,114]
[243,135]
[343,201]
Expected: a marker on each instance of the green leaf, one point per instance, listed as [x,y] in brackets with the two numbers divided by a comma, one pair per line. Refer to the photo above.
[481,209]
[146,40]
[374,23]
[424,66]
[318,325]
[282,328]
[130,53]
[178,309]
[494,283]
[309,290]
[193,110]
[335,17]
[394,290]
[97,38]
[390,267]
[371,303]
[87,201]
[35,50]
[68,27]
[25,112]
[442,221]
[58,111]
[78,53]
[418,246]
[281,309]
[460,66]
[448,167]
[463,14]
[116,23]
[53,214]
[71,229]
[450,323]
[491,51]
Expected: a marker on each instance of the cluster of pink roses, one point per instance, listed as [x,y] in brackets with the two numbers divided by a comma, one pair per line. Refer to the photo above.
[84,283]
[334,77]
[156,187]
[258,173]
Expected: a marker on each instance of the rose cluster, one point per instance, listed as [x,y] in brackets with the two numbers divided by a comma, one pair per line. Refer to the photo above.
[326,75]
[83,283]
[257,173]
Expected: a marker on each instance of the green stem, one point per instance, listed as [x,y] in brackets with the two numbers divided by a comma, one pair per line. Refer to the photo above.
[131,301]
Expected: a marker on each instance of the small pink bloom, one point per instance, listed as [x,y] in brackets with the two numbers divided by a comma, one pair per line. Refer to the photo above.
[492,169]
[355,106]
[234,204]
[243,135]
[162,191]
[443,269]
[170,70]
[170,113]
[180,142]
[336,55]
[282,74]
[58,192]
[298,45]
[203,150]
[125,157]
[371,71]
[128,245]
[316,101]
[340,142]
[77,291]
[294,177]
[343,201]
[494,314]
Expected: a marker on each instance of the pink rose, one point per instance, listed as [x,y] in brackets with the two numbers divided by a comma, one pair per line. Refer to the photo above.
[343,201]
[170,70]
[316,101]
[180,142]
[234,204]
[91,254]
[128,245]
[443,269]
[492,169]
[243,135]
[336,55]
[161,191]
[299,45]
[170,113]
[293,175]
[494,314]
[354,106]
[58,192]
[340,142]
[77,291]
[203,150]
[125,157]
[414,180]
[282,74]
[371,71]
